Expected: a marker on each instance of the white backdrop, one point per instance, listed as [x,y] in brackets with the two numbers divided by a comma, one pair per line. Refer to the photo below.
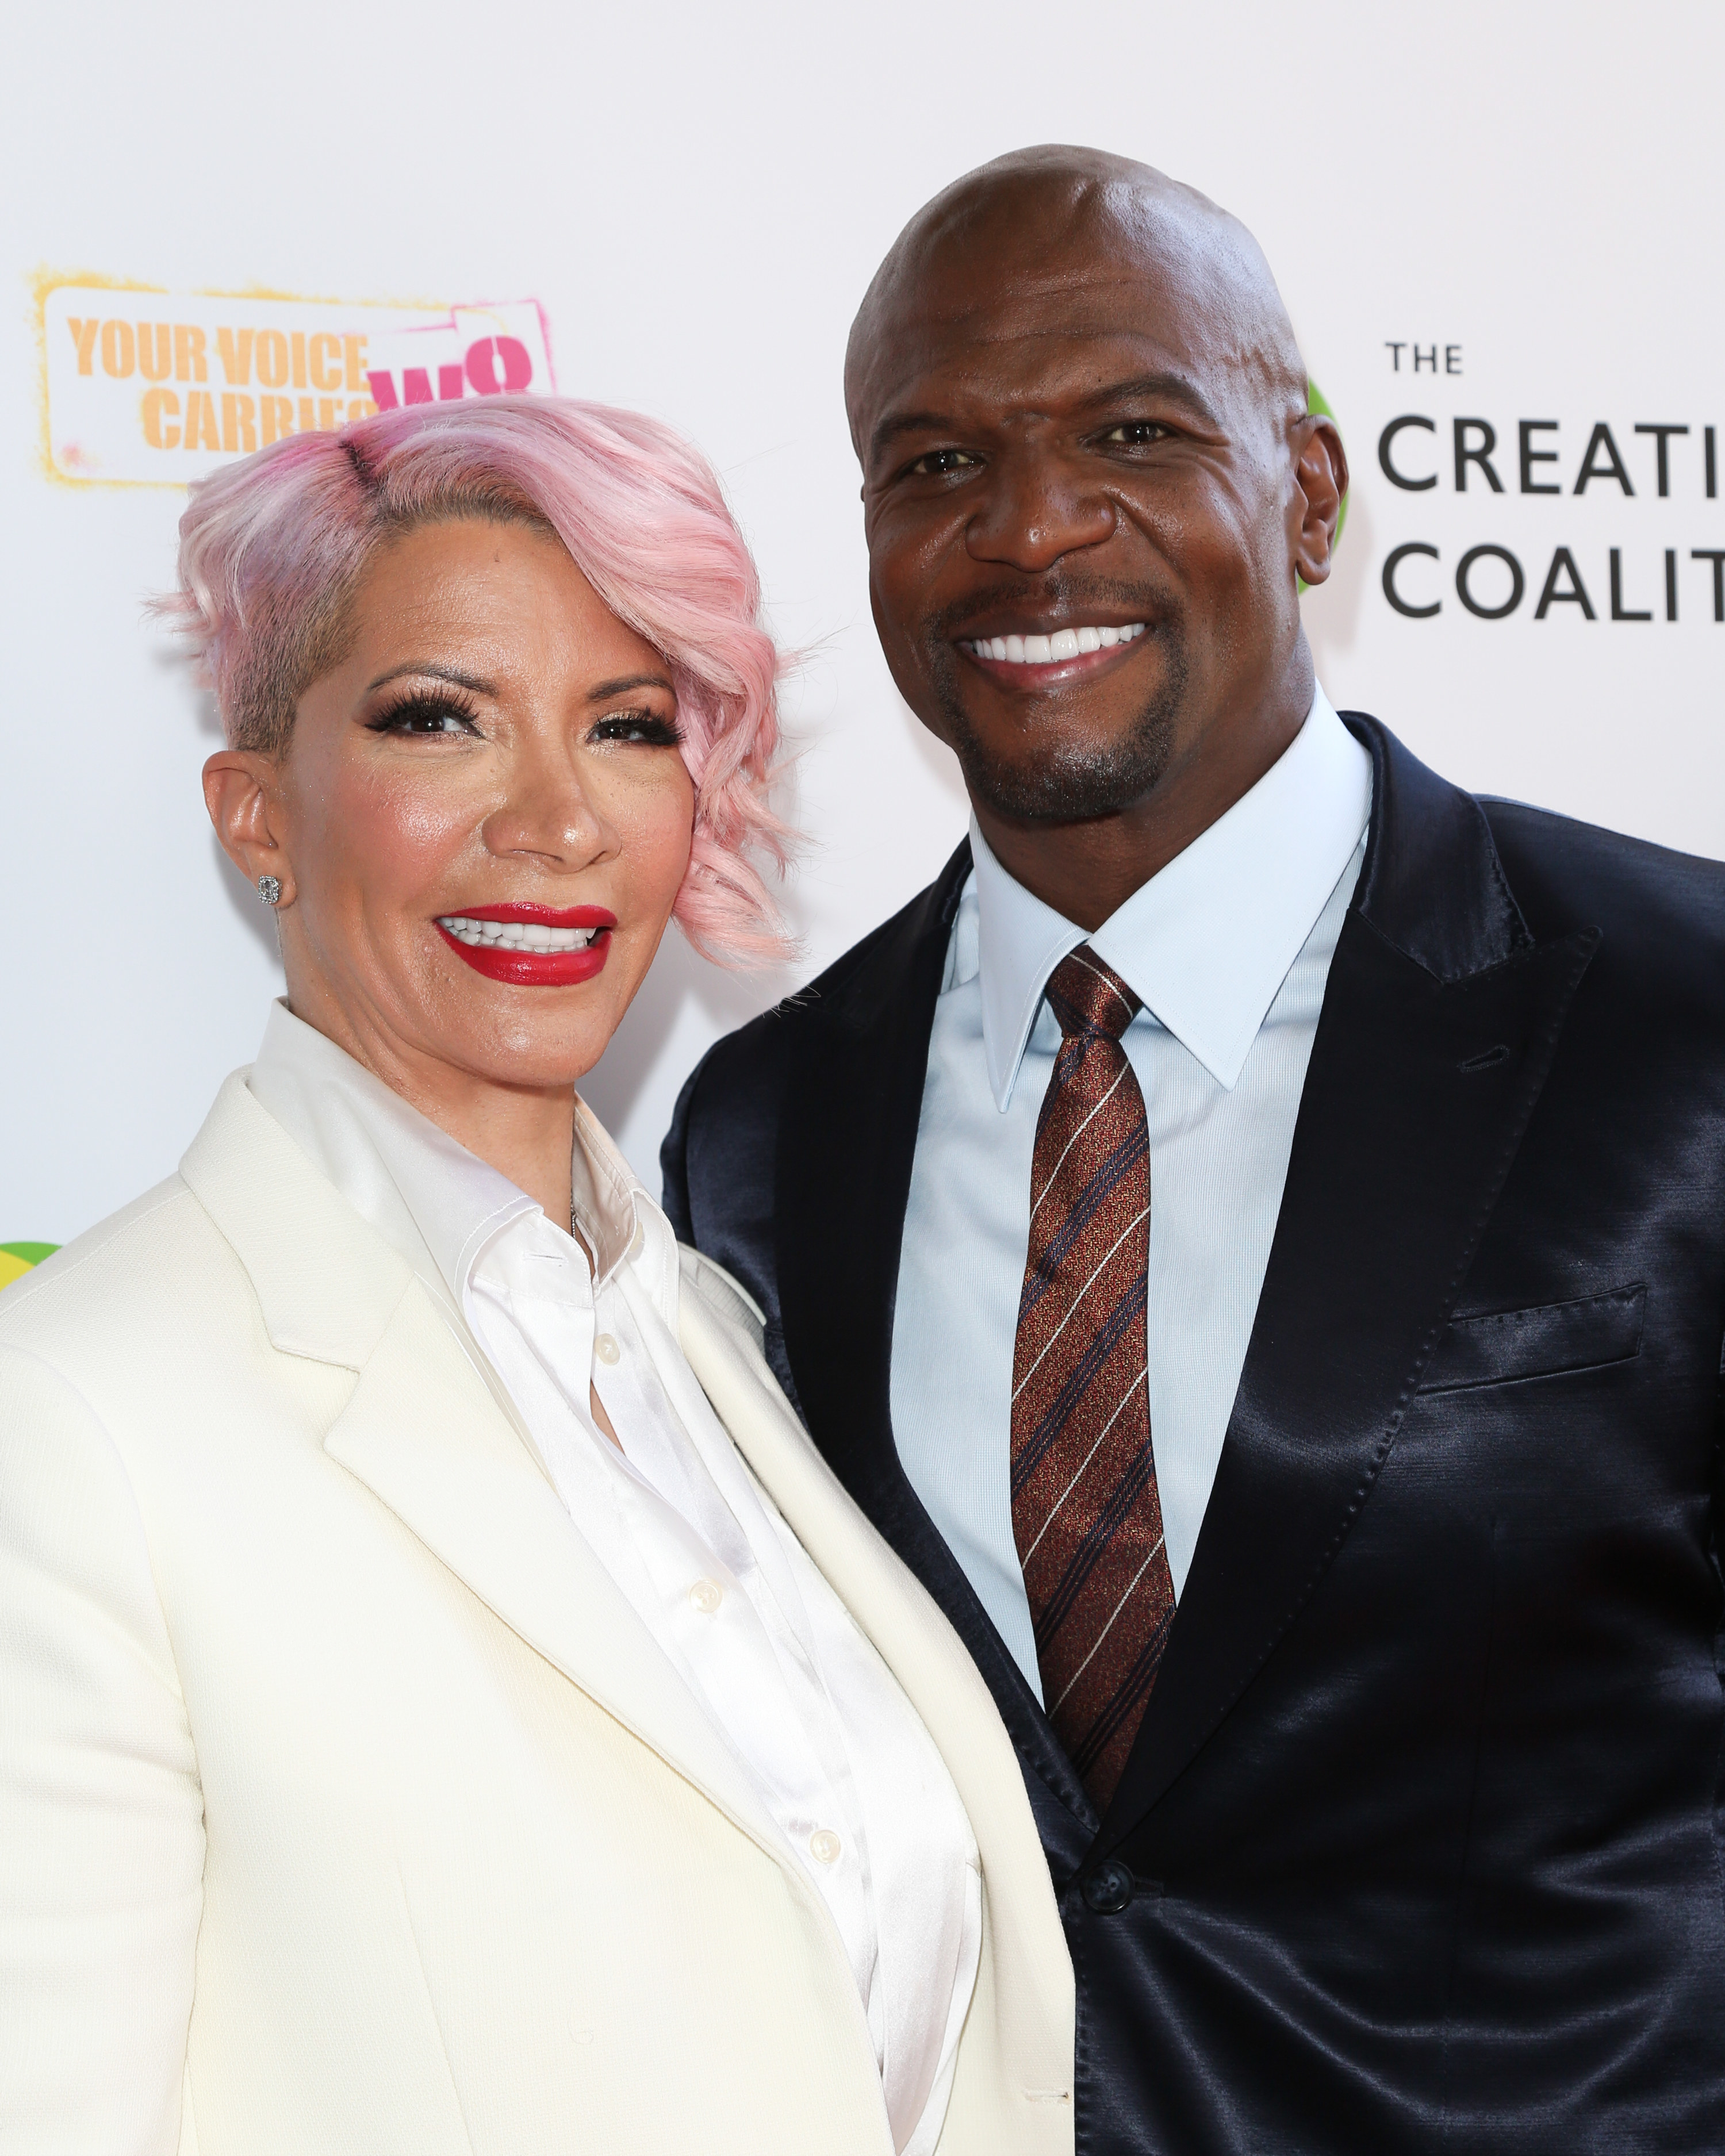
[697,196]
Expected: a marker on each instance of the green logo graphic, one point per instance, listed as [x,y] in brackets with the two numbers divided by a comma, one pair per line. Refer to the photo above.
[16,1259]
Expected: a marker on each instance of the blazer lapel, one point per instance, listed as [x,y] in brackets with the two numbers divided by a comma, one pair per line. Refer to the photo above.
[422,1433]
[937,1674]
[1439,1021]
[421,1430]
[847,1141]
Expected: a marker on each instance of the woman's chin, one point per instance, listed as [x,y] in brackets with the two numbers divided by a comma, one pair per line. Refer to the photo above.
[528,1061]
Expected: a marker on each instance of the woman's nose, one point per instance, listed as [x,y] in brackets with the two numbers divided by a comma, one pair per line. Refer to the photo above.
[548,813]
[1036,511]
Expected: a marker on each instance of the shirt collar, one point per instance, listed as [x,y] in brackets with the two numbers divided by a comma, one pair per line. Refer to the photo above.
[1209,940]
[440,1205]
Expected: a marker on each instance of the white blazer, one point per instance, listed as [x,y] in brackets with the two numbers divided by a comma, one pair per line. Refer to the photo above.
[346,1807]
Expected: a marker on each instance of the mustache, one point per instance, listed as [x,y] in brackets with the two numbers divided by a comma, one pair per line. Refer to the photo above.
[1066,595]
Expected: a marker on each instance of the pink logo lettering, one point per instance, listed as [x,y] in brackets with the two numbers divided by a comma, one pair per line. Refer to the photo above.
[482,362]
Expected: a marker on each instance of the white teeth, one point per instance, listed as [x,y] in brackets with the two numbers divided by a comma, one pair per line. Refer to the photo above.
[515,935]
[1062,644]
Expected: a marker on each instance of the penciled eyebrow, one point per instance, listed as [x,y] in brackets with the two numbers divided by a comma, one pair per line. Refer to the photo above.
[481,687]
[624,683]
[452,674]
[1174,388]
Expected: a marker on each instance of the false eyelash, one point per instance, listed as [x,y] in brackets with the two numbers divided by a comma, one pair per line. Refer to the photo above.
[658,733]
[429,703]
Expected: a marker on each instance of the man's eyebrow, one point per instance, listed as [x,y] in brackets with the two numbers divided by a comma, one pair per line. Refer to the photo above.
[624,682]
[453,675]
[909,422]
[1172,388]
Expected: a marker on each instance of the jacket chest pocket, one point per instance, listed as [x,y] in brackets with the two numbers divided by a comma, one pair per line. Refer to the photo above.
[1504,1346]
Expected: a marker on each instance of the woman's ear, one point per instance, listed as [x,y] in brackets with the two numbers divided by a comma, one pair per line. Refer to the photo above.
[241,792]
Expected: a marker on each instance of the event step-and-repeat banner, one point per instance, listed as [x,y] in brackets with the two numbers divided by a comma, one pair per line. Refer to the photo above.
[1500,248]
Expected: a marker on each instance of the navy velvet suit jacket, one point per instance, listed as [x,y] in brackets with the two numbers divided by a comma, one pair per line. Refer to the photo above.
[1421,1833]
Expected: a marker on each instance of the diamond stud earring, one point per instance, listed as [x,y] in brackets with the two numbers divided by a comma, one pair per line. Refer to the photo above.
[269,890]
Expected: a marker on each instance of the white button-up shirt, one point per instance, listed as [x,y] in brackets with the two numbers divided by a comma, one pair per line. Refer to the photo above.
[1230,947]
[838,1757]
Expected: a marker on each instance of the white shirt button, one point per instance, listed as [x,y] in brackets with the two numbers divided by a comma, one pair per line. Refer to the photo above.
[640,1242]
[706,1595]
[606,1348]
[824,1846]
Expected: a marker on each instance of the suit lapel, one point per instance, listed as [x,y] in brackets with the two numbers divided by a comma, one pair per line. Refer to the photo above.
[421,1430]
[936,1671]
[422,1433]
[847,1141]
[1409,1122]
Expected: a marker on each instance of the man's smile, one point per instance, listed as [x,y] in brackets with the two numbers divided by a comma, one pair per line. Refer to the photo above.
[1063,654]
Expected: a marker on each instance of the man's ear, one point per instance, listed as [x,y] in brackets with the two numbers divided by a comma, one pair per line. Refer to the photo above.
[241,792]
[1321,486]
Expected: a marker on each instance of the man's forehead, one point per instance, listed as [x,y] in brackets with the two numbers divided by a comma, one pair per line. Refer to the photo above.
[1058,336]
[1121,281]
[979,357]
[1019,267]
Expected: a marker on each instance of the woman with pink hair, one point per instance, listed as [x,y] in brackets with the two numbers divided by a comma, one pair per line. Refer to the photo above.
[447,1704]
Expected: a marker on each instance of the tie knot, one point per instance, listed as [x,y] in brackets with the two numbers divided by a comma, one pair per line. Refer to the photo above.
[1089,997]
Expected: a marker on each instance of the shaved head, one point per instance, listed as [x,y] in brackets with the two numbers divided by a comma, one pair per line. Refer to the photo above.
[1031,215]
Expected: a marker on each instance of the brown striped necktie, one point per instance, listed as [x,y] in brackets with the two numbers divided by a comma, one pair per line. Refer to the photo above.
[1085,1513]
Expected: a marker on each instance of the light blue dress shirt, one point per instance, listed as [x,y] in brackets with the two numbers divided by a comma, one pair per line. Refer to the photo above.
[1230,946]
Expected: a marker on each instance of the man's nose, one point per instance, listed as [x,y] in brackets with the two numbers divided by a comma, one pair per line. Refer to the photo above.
[1037,509]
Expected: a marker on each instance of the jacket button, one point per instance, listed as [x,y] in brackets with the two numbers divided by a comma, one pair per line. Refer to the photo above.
[1108,1889]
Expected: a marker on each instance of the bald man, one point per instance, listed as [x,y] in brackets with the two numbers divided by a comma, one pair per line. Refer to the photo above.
[1251,1235]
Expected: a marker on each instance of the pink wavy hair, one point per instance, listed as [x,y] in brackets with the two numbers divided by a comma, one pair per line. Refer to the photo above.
[272,547]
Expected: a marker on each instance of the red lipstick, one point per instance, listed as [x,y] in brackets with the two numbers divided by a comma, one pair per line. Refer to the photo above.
[497,942]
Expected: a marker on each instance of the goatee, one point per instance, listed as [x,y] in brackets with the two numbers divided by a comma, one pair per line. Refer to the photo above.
[1067,782]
